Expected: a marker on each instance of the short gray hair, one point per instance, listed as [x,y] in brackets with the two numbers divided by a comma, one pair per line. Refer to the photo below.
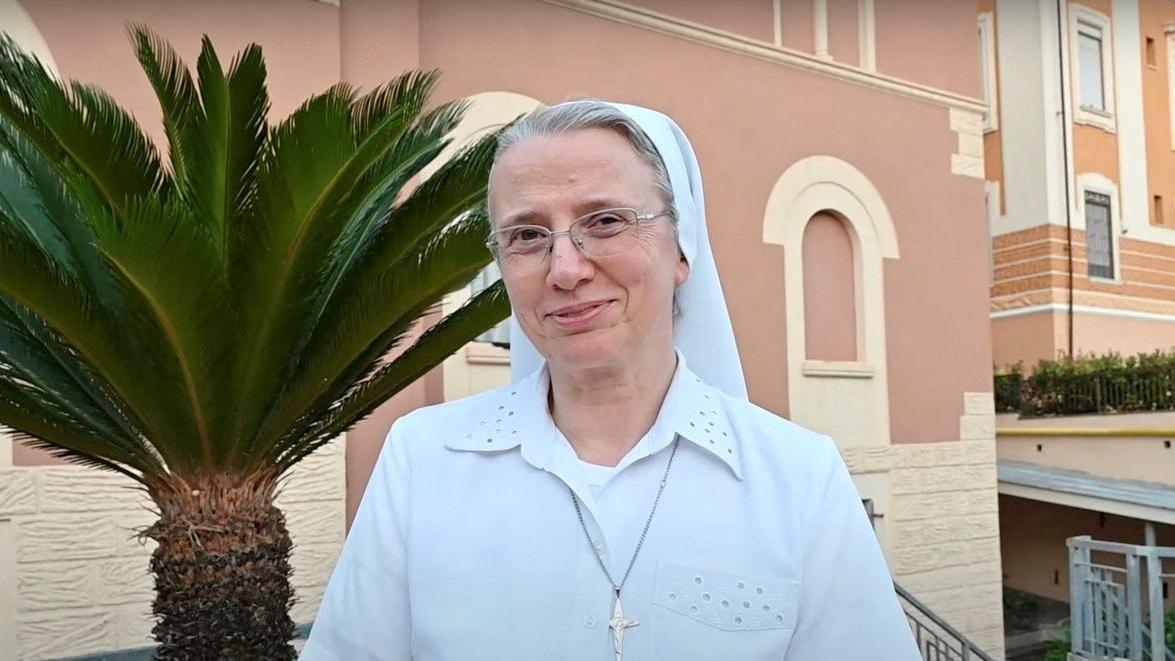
[589,114]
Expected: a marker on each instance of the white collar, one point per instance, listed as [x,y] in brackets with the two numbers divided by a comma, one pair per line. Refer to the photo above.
[517,415]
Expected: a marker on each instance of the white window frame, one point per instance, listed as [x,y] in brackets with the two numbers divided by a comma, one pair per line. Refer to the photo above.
[991,117]
[1098,183]
[1081,16]
[991,201]
[1169,33]
[500,332]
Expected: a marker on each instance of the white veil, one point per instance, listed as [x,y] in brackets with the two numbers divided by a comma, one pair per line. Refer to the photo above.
[703,332]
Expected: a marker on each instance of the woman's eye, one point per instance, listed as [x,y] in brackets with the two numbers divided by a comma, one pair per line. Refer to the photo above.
[606,219]
[524,238]
[527,235]
[605,222]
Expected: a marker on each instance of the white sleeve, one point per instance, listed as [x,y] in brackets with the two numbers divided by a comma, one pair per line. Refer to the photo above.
[365,612]
[848,608]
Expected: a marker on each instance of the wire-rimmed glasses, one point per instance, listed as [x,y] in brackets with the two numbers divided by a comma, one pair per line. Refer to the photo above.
[603,233]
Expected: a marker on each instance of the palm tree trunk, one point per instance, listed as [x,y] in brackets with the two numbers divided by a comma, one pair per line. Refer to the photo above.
[222,571]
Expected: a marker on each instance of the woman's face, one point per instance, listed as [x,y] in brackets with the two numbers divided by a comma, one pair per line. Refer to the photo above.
[580,312]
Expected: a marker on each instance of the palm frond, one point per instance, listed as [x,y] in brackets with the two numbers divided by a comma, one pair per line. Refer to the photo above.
[296,286]
[31,279]
[282,241]
[355,247]
[51,203]
[56,428]
[381,185]
[446,262]
[405,94]
[21,210]
[230,308]
[32,354]
[184,299]
[80,129]
[227,142]
[487,308]
[367,325]
[107,143]
[376,244]
[458,186]
[24,79]
[175,90]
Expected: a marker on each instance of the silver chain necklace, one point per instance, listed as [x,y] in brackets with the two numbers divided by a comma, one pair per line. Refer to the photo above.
[618,624]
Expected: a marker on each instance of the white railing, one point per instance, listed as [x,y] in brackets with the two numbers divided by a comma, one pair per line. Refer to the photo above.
[1116,605]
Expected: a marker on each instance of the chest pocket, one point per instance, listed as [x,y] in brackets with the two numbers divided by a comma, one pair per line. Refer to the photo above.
[709,613]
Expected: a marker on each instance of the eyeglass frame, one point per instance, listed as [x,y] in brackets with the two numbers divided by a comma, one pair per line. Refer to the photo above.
[639,218]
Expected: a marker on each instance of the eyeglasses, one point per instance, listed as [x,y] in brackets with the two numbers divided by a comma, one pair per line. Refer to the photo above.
[604,233]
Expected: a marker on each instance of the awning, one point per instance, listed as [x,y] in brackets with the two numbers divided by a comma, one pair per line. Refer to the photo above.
[1143,500]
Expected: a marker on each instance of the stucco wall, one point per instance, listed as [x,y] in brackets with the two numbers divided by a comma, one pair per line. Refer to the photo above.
[1117,457]
[758,119]
[941,529]
[74,579]
[1034,535]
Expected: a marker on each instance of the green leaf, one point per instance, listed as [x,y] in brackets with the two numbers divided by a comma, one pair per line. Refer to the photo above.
[183,305]
[35,356]
[227,143]
[483,311]
[55,428]
[52,212]
[368,325]
[209,318]
[175,90]
[31,279]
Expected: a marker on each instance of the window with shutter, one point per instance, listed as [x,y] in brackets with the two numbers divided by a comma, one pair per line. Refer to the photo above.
[1098,239]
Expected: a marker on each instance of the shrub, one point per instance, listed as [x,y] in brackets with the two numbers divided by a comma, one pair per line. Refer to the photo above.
[1108,383]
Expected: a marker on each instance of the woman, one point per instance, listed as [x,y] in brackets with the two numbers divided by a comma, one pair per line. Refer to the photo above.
[621,499]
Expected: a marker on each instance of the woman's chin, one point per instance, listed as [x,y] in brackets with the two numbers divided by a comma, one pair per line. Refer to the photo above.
[586,349]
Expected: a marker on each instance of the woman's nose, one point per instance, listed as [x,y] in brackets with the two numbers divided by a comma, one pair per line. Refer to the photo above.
[568,266]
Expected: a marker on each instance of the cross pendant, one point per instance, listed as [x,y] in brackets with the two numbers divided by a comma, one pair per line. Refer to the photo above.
[618,624]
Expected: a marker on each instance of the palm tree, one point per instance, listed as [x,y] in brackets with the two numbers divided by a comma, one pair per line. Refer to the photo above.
[200,324]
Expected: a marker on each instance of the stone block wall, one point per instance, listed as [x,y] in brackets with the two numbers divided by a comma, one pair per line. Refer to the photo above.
[74,576]
[942,523]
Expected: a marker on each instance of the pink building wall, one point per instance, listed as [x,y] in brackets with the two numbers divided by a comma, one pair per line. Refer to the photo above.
[920,41]
[796,25]
[844,32]
[1033,534]
[748,18]
[830,300]
[749,120]
[750,128]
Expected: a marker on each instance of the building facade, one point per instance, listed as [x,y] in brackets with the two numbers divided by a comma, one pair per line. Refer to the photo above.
[1079,163]
[842,147]
[1080,168]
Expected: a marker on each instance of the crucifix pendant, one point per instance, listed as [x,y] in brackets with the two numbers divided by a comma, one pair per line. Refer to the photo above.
[618,624]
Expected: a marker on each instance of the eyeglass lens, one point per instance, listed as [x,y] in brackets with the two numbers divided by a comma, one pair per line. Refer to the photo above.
[601,234]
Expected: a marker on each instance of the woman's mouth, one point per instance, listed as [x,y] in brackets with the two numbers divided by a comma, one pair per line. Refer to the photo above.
[576,316]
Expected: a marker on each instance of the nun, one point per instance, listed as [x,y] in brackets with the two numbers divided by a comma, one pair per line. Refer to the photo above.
[621,499]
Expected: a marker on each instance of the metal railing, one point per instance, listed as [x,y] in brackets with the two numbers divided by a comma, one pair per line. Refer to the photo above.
[937,640]
[1069,394]
[1116,612]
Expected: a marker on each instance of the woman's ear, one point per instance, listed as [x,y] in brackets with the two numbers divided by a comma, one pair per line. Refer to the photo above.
[682,270]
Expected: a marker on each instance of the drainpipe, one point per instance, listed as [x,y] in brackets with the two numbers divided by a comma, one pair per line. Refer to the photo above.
[1065,164]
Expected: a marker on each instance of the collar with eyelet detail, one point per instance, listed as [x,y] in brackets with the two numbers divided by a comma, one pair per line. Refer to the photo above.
[517,416]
